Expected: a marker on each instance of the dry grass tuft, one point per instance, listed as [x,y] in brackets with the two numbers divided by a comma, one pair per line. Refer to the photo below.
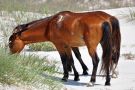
[129,56]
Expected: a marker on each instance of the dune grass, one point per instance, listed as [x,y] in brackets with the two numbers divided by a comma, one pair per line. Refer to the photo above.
[44,46]
[132,14]
[27,70]
[53,6]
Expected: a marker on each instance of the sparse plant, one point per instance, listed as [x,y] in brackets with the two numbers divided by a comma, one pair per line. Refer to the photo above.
[9,20]
[28,70]
[132,14]
[44,46]
[129,56]
[53,6]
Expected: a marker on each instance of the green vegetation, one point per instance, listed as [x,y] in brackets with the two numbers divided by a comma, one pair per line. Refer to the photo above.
[53,6]
[44,46]
[27,70]
[9,20]
[132,14]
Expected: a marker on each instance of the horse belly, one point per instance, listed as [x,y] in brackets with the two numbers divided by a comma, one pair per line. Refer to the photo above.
[76,41]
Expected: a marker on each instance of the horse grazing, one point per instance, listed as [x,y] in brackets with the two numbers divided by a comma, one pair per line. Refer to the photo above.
[67,30]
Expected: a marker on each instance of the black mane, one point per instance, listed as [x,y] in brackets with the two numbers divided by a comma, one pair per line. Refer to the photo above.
[23,27]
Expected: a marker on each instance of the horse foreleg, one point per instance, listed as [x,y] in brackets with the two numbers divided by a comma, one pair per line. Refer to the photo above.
[78,56]
[64,63]
[67,59]
[71,62]
[64,60]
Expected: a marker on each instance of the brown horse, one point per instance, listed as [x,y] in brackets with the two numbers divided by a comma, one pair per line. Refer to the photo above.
[116,39]
[66,30]
[22,27]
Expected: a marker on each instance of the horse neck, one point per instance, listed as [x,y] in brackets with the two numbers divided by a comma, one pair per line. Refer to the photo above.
[37,33]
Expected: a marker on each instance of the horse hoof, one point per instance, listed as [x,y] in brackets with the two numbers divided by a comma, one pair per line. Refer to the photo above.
[69,69]
[85,73]
[90,84]
[114,76]
[76,79]
[64,79]
[107,84]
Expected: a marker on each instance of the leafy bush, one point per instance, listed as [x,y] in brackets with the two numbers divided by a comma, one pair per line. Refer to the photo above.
[27,70]
[44,46]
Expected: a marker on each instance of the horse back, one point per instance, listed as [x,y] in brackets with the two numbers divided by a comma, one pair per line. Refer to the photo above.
[72,27]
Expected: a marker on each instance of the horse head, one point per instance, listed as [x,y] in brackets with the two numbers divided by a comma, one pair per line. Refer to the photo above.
[15,43]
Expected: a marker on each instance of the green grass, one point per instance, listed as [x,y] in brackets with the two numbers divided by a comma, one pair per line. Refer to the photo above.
[44,46]
[27,70]
[53,6]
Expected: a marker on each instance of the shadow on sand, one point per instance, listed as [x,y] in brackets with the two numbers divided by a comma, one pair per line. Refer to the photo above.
[71,81]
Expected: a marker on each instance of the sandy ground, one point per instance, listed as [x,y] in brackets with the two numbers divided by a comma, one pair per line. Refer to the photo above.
[126,78]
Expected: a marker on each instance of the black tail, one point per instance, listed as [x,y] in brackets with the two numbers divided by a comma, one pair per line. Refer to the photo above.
[116,39]
[106,44]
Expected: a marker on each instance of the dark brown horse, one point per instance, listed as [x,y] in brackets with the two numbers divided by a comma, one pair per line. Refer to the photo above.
[66,30]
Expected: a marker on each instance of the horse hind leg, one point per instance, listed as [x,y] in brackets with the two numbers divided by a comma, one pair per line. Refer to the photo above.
[78,56]
[115,72]
[91,40]
[95,61]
